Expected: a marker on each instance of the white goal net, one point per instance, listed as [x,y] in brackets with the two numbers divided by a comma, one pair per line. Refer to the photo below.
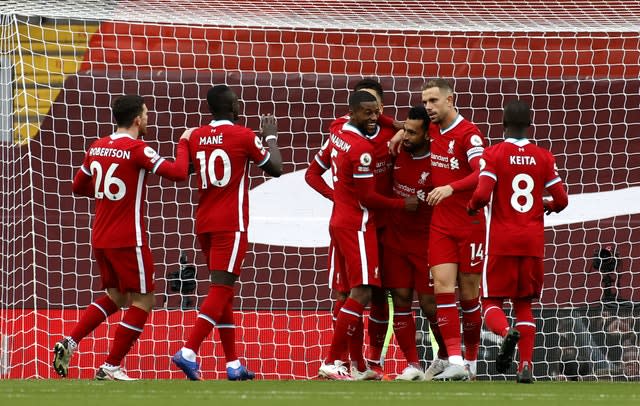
[62,64]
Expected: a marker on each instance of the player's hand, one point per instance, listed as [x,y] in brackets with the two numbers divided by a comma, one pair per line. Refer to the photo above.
[398,125]
[439,194]
[471,211]
[268,126]
[396,142]
[411,203]
[548,206]
[187,133]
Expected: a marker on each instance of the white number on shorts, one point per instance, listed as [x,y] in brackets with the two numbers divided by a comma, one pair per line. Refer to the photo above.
[477,253]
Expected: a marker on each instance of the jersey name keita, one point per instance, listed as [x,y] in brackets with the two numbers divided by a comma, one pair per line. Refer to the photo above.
[522,160]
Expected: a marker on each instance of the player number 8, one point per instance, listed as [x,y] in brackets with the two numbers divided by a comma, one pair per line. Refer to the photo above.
[522,192]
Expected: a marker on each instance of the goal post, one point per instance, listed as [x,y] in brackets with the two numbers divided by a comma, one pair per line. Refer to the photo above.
[578,65]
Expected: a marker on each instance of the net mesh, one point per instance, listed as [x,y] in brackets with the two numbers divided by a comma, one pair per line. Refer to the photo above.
[576,62]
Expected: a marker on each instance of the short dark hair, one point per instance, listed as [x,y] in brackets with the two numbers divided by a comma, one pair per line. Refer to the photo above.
[220,99]
[517,114]
[418,112]
[370,83]
[361,96]
[126,108]
[442,84]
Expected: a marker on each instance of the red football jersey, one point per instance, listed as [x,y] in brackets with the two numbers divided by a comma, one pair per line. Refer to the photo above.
[380,141]
[220,152]
[351,156]
[117,166]
[408,232]
[452,149]
[522,171]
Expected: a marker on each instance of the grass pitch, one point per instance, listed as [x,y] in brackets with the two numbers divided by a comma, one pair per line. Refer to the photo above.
[311,393]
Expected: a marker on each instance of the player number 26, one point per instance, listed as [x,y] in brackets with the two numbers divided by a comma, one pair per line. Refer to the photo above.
[112,188]
[207,168]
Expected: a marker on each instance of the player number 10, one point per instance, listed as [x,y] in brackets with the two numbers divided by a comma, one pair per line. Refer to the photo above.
[208,168]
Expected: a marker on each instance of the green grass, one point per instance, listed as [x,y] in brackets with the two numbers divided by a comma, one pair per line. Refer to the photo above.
[310,393]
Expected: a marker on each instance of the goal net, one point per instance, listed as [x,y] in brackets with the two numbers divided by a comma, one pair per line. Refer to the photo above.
[62,64]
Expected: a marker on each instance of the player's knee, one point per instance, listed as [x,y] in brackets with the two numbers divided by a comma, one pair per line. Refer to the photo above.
[402,297]
[361,294]
[119,298]
[144,301]
[428,306]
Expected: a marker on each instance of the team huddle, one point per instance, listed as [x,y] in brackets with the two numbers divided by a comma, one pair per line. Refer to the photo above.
[409,202]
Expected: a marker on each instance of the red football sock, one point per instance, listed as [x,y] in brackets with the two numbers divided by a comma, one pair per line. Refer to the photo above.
[377,329]
[449,322]
[227,331]
[92,317]
[494,316]
[337,305]
[356,347]
[404,327]
[435,331]
[126,335]
[471,327]
[210,313]
[526,325]
[346,325]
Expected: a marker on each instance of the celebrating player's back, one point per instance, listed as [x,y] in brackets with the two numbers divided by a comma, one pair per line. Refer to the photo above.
[517,172]
[514,175]
[114,172]
[221,152]
[116,166]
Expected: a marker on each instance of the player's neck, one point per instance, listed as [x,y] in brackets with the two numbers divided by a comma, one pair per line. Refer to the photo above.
[449,120]
[227,117]
[134,132]
[420,152]
[515,134]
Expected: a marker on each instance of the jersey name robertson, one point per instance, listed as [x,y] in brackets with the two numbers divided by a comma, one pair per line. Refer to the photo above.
[118,166]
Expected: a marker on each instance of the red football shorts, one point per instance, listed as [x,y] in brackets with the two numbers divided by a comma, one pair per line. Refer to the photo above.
[338,280]
[405,270]
[357,253]
[513,277]
[465,248]
[225,250]
[128,269]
